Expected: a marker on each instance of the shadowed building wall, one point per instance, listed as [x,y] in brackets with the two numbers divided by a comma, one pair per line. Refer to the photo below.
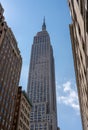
[10,68]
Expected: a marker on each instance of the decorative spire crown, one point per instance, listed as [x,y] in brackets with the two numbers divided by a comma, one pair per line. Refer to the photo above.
[44,25]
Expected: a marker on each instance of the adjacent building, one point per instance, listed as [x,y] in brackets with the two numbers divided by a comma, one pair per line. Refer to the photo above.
[58,128]
[79,38]
[10,68]
[22,111]
[41,83]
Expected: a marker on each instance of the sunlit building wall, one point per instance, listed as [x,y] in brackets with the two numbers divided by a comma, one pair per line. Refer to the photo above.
[79,38]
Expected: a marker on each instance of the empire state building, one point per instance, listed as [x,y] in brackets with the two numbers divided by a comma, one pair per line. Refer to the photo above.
[41,83]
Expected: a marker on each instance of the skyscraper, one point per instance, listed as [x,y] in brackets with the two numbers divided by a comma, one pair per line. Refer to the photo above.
[79,38]
[10,68]
[41,83]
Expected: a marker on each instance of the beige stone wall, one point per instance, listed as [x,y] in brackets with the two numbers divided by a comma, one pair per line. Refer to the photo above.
[79,45]
[24,113]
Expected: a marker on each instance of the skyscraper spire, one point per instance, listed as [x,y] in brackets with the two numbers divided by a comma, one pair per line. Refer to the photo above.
[44,25]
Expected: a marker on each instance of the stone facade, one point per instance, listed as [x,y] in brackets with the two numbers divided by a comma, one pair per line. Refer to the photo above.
[22,111]
[79,38]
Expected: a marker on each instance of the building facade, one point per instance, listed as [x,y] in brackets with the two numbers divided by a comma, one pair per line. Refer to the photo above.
[22,111]
[10,68]
[58,128]
[41,83]
[79,38]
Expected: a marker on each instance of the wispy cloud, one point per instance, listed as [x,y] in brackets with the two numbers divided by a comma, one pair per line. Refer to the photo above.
[68,95]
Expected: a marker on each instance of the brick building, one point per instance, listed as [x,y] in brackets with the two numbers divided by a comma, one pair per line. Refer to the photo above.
[10,68]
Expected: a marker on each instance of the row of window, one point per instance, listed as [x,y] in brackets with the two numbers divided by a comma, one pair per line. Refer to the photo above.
[25,110]
[23,126]
[24,118]
[25,103]
[43,126]
[41,39]
[40,49]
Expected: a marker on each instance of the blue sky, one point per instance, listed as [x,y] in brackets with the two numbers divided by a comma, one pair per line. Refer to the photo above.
[25,18]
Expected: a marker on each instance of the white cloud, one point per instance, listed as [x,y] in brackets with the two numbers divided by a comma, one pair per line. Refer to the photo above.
[67,86]
[68,96]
